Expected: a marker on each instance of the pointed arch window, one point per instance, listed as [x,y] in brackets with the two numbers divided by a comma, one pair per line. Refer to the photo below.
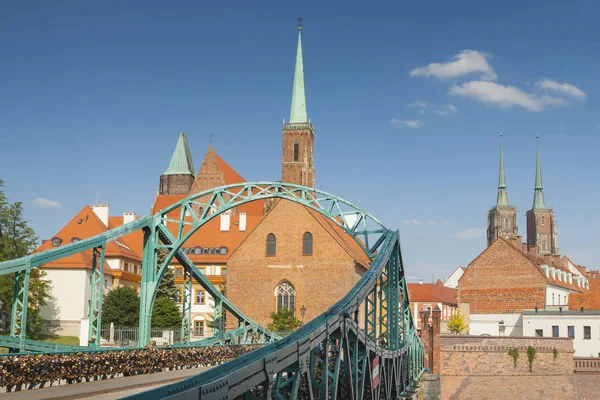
[296,150]
[307,244]
[506,223]
[285,295]
[271,245]
[543,220]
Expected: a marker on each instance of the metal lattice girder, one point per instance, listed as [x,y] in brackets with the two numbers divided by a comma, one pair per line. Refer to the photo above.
[96,295]
[186,312]
[18,327]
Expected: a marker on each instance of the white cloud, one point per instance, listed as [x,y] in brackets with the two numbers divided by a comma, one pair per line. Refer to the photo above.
[504,96]
[446,109]
[410,123]
[418,222]
[45,203]
[464,63]
[565,88]
[471,233]
[421,105]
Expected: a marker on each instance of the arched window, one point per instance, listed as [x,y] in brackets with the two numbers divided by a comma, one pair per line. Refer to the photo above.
[285,295]
[505,223]
[552,298]
[296,150]
[307,242]
[543,220]
[271,245]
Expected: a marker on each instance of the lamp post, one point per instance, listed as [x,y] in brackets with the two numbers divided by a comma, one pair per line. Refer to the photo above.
[302,312]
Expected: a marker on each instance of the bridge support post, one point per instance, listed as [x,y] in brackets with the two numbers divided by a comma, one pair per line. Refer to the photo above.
[149,284]
[218,318]
[393,301]
[186,314]
[18,324]
[96,295]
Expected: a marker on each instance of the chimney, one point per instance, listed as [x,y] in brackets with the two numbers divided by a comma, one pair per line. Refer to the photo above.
[128,217]
[101,211]
[243,222]
[421,282]
[225,218]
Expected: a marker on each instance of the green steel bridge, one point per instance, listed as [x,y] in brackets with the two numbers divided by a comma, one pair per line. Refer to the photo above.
[363,347]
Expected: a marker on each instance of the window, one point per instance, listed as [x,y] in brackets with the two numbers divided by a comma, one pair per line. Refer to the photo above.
[200,296]
[181,292]
[552,298]
[543,220]
[539,333]
[587,332]
[56,241]
[271,245]
[571,331]
[75,239]
[286,296]
[178,272]
[554,331]
[559,299]
[296,150]
[505,223]
[198,328]
[307,242]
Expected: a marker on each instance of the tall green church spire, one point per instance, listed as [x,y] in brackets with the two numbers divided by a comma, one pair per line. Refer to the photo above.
[538,197]
[502,195]
[298,113]
[181,162]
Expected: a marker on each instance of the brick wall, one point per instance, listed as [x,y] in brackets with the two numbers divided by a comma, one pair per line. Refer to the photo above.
[175,184]
[320,279]
[479,367]
[501,281]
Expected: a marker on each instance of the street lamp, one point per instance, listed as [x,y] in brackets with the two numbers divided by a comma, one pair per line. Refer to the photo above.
[302,312]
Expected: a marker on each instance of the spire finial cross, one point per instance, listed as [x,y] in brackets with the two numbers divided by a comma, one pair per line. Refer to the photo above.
[300,19]
[211,136]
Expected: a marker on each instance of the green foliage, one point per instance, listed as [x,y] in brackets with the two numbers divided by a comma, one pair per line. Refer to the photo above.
[17,240]
[121,306]
[530,357]
[457,323]
[514,353]
[555,352]
[283,320]
[166,313]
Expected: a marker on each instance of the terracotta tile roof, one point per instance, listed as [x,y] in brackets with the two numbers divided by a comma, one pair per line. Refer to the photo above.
[589,300]
[434,293]
[343,238]
[230,176]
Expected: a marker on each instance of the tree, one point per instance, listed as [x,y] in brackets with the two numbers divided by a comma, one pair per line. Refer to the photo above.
[167,287]
[283,320]
[17,240]
[121,306]
[166,313]
[457,323]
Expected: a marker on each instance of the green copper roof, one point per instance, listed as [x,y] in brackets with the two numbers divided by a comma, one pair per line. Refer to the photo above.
[502,195]
[538,197]
[298,113]
[181,162]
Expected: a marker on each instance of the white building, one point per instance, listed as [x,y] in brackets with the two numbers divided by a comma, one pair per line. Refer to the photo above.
[452,280]
[581,325]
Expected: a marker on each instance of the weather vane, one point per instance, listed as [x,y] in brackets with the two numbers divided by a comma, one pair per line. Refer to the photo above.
[300,19]
[211,137]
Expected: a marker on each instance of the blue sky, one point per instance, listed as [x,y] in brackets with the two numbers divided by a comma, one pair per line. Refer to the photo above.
[407,101]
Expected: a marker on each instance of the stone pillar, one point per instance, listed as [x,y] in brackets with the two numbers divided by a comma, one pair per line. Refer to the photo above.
[435,338]
[426,337]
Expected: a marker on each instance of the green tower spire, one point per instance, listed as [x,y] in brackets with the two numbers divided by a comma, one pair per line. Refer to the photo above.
[502,195]
[538,197]
[298,113]
[181,162]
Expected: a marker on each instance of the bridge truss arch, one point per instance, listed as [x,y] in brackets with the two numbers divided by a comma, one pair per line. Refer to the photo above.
[367,340]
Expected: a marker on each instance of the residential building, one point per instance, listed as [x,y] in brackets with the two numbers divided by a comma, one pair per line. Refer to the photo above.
[452,280]
[430,295]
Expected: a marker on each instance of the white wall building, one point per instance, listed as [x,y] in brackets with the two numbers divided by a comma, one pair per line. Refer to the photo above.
[452,280]
[582,326]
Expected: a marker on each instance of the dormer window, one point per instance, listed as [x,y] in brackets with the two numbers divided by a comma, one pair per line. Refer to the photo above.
[56,241]
[75,239]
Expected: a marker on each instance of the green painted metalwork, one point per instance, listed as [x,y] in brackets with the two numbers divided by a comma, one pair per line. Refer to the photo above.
[298,112]
[502,199]
[332,355]
[538,197]
[96,295]
[181,162]
[186,312]
[18,327]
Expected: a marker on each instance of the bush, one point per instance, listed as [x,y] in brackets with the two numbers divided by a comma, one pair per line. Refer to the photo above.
[514,353]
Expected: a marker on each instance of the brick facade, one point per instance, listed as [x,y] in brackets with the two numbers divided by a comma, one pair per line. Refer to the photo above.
[502,222]
[319,279]
[175,184]
[297,162]
[541,231]
[476,367]
[501,281]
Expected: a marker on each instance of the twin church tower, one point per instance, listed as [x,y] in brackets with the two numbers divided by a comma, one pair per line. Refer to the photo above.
[541,226]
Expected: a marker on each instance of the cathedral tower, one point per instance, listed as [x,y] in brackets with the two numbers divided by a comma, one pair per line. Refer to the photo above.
[502,219]
[541,226]
[297,164]
[178,178]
